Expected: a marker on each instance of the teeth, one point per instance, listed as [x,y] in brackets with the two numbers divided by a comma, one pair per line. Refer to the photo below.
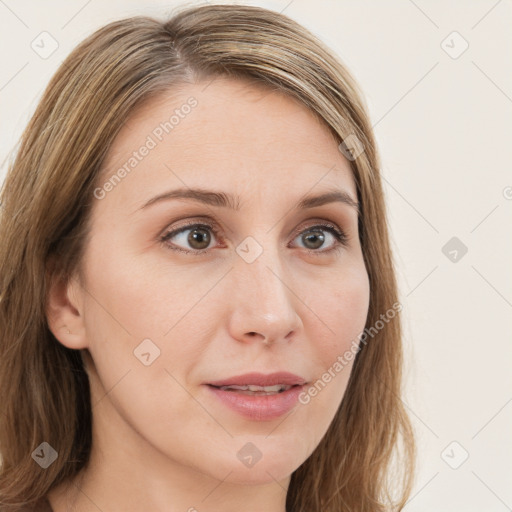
[266,389]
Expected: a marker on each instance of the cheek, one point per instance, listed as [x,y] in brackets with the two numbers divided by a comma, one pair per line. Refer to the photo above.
[132,299]
[342,308]
[340,316]
[142,296]
[134,309]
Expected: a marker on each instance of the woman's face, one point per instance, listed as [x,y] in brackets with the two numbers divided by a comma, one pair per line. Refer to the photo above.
[239,278]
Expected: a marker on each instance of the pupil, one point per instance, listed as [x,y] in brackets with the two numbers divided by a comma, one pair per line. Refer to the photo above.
[320,237]
[200,236]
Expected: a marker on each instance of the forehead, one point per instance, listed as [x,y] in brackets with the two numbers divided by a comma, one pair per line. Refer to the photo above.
[231,134]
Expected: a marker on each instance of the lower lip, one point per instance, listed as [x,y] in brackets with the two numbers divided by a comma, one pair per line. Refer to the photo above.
[259,407]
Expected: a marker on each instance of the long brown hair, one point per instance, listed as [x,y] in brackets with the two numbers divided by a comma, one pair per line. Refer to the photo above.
[46,204]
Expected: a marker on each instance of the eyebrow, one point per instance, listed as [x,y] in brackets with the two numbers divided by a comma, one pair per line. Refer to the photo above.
[221,199]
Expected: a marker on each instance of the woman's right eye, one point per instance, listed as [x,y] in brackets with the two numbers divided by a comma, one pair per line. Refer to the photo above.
[196,236]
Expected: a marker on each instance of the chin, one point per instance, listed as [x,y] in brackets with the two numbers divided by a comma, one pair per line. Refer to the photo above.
[260,474]
[249,466]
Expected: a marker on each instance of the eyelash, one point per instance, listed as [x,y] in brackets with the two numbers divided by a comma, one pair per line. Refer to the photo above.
[340,236]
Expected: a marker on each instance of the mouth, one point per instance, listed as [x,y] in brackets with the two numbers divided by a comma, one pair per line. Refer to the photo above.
[259,397]
[257,390]
[272,383]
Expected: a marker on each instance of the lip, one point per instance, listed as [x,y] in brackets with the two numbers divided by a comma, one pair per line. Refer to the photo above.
[259,407]
[260,379]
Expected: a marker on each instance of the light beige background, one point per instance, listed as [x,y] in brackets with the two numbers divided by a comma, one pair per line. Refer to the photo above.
[444,128]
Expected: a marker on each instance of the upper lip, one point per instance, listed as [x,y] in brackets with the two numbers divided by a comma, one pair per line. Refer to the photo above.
[260,379]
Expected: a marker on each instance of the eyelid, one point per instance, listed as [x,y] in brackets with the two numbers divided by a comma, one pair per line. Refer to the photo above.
[323,223]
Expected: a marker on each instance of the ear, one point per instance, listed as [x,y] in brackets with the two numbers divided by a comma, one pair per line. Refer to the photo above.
[64,309]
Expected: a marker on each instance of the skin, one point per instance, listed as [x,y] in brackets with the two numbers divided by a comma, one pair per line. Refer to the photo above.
[161,440]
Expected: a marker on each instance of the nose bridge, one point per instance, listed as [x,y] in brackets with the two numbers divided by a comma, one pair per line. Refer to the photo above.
[262,271]
[263,301]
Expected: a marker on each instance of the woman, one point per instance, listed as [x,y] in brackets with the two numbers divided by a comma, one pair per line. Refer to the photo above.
[199,309]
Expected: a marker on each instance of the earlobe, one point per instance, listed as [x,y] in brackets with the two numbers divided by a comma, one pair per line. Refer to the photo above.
[64,312]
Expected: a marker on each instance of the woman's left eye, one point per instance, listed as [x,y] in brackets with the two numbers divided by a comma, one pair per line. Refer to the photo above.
[314,236]
[199,236]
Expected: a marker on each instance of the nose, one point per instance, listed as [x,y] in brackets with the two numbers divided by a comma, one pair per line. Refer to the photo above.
[263,303]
